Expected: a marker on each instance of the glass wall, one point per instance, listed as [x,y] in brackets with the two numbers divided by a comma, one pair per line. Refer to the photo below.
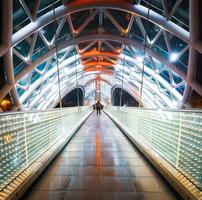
[24,137]
[173,135]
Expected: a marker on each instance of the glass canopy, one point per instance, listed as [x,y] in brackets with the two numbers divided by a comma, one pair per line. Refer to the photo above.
[140,46]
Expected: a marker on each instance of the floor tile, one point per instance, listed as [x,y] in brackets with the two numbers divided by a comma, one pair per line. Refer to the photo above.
[119,196]
[91,183]
[116,184]
[87,170]
[149,184]
[141,171]
[44,195]
[62,170]
[114,171]
[82,195]
[65,161]
[52,183]
[157,196]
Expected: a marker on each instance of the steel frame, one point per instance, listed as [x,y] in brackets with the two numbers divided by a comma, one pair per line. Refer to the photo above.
[102,9]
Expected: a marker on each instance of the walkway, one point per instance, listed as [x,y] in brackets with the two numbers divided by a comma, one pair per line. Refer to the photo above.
[100,163]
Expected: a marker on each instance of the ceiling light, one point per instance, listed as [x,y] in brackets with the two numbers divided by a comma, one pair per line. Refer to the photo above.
[173,57]
[139,59]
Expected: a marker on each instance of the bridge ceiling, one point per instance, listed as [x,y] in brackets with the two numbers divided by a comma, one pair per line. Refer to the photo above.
[105,40]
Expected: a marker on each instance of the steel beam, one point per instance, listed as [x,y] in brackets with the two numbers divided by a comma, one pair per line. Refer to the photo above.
[100,37]
[105,4]
[194,36]
[109,37]
[104,71]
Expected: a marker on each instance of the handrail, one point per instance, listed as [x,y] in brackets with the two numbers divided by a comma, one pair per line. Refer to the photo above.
[37,111]
[193,110]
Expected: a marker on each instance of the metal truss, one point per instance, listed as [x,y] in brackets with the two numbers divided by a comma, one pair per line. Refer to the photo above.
[100,52]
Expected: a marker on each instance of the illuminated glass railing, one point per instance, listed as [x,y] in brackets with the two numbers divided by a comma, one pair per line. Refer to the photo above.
[174,135]
[24,137]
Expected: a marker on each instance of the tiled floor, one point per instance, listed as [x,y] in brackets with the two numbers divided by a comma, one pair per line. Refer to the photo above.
[100,163]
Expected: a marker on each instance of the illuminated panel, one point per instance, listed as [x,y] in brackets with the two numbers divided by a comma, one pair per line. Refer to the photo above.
[12,147]
[24,137]
[174,135]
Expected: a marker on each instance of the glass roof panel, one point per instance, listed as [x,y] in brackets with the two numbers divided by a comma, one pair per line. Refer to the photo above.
[160,47]
[65,30]
[25,80]
[41,67]
[40,46]
[47,5]
[20,18]
[16,61]
[49,30]
[176,43]
[20,91]
[136,32]
[150,28]
[156,5]
[24,46]
[121,17]
[181,89]
[19,68]
[165,75]
[35,76]
[181,15]
[31,5]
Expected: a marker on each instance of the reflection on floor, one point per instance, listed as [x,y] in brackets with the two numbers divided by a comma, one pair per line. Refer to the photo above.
[100,163]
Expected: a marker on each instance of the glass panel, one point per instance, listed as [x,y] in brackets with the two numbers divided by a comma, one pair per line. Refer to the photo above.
[35,76]
[155,5]
[19,68]
[24,137]
[181,16]
[174,135]
[47,5]
[20,18]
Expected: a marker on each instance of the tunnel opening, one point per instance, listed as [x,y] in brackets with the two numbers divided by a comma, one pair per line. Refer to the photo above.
[126,100]
[70,100]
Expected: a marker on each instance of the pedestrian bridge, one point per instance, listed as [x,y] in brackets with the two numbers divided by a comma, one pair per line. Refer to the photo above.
[143,56]
[129,153]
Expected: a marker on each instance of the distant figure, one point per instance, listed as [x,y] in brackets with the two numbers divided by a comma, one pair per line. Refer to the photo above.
[93,106]
[98,106]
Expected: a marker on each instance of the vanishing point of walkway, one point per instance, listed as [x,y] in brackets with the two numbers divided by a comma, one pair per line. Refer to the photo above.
[100,163]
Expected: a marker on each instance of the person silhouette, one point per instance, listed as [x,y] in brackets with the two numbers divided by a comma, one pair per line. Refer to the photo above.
[98,107]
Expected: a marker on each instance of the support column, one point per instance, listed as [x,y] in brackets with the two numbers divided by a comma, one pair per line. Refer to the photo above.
[5,44]
[194,34]
[8,58]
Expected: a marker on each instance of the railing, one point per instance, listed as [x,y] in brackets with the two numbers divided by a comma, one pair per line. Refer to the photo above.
[24,137]
[174,135]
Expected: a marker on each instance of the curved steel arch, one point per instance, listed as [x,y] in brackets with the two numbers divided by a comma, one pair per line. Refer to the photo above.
[55,83]
[109,37]
[96,54]
[91,54]
[77,6]
[125,81]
